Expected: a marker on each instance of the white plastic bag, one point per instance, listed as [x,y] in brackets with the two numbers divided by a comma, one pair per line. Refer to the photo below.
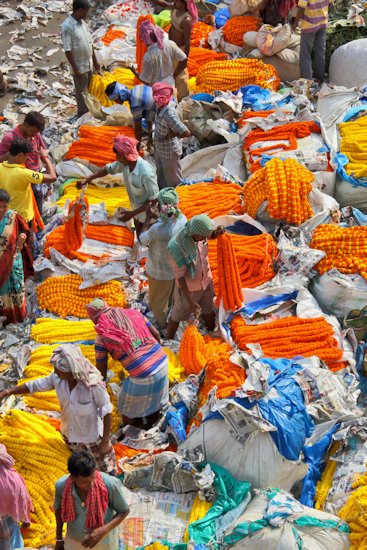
[238,7]
[348,64]
[271,40]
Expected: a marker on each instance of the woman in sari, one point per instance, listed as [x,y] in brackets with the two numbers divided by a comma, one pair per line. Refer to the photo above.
[16,262]
[132,340]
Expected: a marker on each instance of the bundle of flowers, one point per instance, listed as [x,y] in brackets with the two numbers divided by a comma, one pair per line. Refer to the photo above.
[49,331]
[199,57]
[353,144]
[199,35]
[285,185]
[229,279]
[236,27]
[113,197]
[111,35]
[215,198]
[98,84]
[354,513]
[345,247]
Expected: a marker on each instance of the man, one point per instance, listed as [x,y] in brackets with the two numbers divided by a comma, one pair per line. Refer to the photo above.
[313,15]
[139,178]
[194,290]
[184,16]
[141,103]
[30,129]
[18,181]
[156,238]
[79,51]
[160,57]
[91,504]
[169,130]
[84,403]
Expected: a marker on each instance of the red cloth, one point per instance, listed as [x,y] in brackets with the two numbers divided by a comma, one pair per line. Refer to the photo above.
[162,93]
[146,29]
[97,502]
[126,147]
[15,500]
[192,9]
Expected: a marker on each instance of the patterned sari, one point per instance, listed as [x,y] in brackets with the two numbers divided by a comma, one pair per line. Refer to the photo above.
[16,267]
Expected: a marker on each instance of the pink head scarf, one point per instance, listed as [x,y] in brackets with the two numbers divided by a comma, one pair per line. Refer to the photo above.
[192,9]
[15,500]
[126,147]
[162,93]
[146,29]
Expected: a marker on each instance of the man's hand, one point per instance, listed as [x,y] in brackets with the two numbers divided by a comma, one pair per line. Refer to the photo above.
[218,231]
[4,394]
[94,537]
[81,183]
[103,448]
[77,72]
[125,216]
[97,66]
[195,309]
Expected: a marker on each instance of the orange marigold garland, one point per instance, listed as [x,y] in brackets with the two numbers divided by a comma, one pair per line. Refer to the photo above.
[199,35]
[220,372]
[215,198]
[236,27]
[141,48]
[285,185]
[345,247]
[229,280]
[192,351]
[289,337]
[199,57]
[111,35]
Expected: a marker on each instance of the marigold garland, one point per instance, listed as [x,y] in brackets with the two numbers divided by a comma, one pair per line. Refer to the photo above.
[192,350]
[354,513]
[61,295]
[255,256]
[99,83]
[324,485]
[199,57]
[215,198]
[222,373]
[345,247]
[289,337]
[199,35]
[285,186]
[49,331]
[353,144]
[236,27]
[96,143]
[40,456]
[113,197]
[198,511]
[229,280]
[231,75]
[111,35]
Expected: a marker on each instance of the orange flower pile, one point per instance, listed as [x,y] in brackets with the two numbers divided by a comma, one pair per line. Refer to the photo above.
[222,373]
[113,234]
[215,198]
[289,337]
[199,35]
[68,238]
[285,186]
[286,134]
[236,27]
[251,114]
[96,142]
[231,75]
[229,279]
[199,57]
[192,351]
[345,247]
[141,48]
[254,255]
[111,35]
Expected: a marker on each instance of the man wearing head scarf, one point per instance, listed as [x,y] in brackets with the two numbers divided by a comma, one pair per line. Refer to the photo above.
[141,103]
[15,503]
[160,58]
[139,178]
[184,16]
[169,130]
[84,404]
[194,290]
[156,238]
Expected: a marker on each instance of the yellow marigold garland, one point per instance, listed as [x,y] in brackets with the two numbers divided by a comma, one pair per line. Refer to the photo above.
[198,511]
[176,370]
[355,514]
[113,197]
[353,144]
[48,331]
[324,485]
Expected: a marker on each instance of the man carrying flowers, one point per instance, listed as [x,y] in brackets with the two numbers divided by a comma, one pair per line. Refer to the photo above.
[84,403]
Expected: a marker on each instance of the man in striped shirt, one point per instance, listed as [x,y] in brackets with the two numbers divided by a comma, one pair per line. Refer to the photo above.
[313,15]
[30,129]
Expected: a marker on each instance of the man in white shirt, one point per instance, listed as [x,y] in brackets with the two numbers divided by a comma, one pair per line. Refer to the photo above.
[79,51]
[84,404]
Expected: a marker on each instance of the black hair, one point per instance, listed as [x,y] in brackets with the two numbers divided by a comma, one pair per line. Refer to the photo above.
[20,146]
[35,119]
[81,463]
[4,196]
[80,5]
[110,88]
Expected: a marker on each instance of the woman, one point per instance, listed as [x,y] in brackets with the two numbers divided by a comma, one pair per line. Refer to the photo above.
[15,503]
[130,338]
[86,409]
[194,290]
[15,260]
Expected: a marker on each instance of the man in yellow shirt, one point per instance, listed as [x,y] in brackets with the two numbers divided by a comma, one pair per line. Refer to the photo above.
[17,180]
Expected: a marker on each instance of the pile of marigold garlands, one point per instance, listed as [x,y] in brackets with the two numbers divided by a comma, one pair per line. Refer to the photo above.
[216,198]
[285,185]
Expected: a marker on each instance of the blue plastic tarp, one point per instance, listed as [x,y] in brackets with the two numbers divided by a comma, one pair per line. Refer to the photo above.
[221,17]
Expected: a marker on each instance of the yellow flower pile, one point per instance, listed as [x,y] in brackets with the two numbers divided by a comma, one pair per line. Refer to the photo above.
[62,296]
[156,546]
[49,331]
[40,456]
[199,510]
[98,84]
[324,485]
[355,514]
[354,146]
[113,197]
[175,369]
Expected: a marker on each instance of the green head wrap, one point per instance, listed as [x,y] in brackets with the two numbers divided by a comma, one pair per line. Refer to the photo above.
[168,199]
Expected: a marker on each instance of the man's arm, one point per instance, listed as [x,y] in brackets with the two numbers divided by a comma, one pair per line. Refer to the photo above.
[59,525]
[50,175]
[99,174]
[96,65]
[299,16]
[97,534]
[70,58]
[195,307]
[187,29]
[104,445]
